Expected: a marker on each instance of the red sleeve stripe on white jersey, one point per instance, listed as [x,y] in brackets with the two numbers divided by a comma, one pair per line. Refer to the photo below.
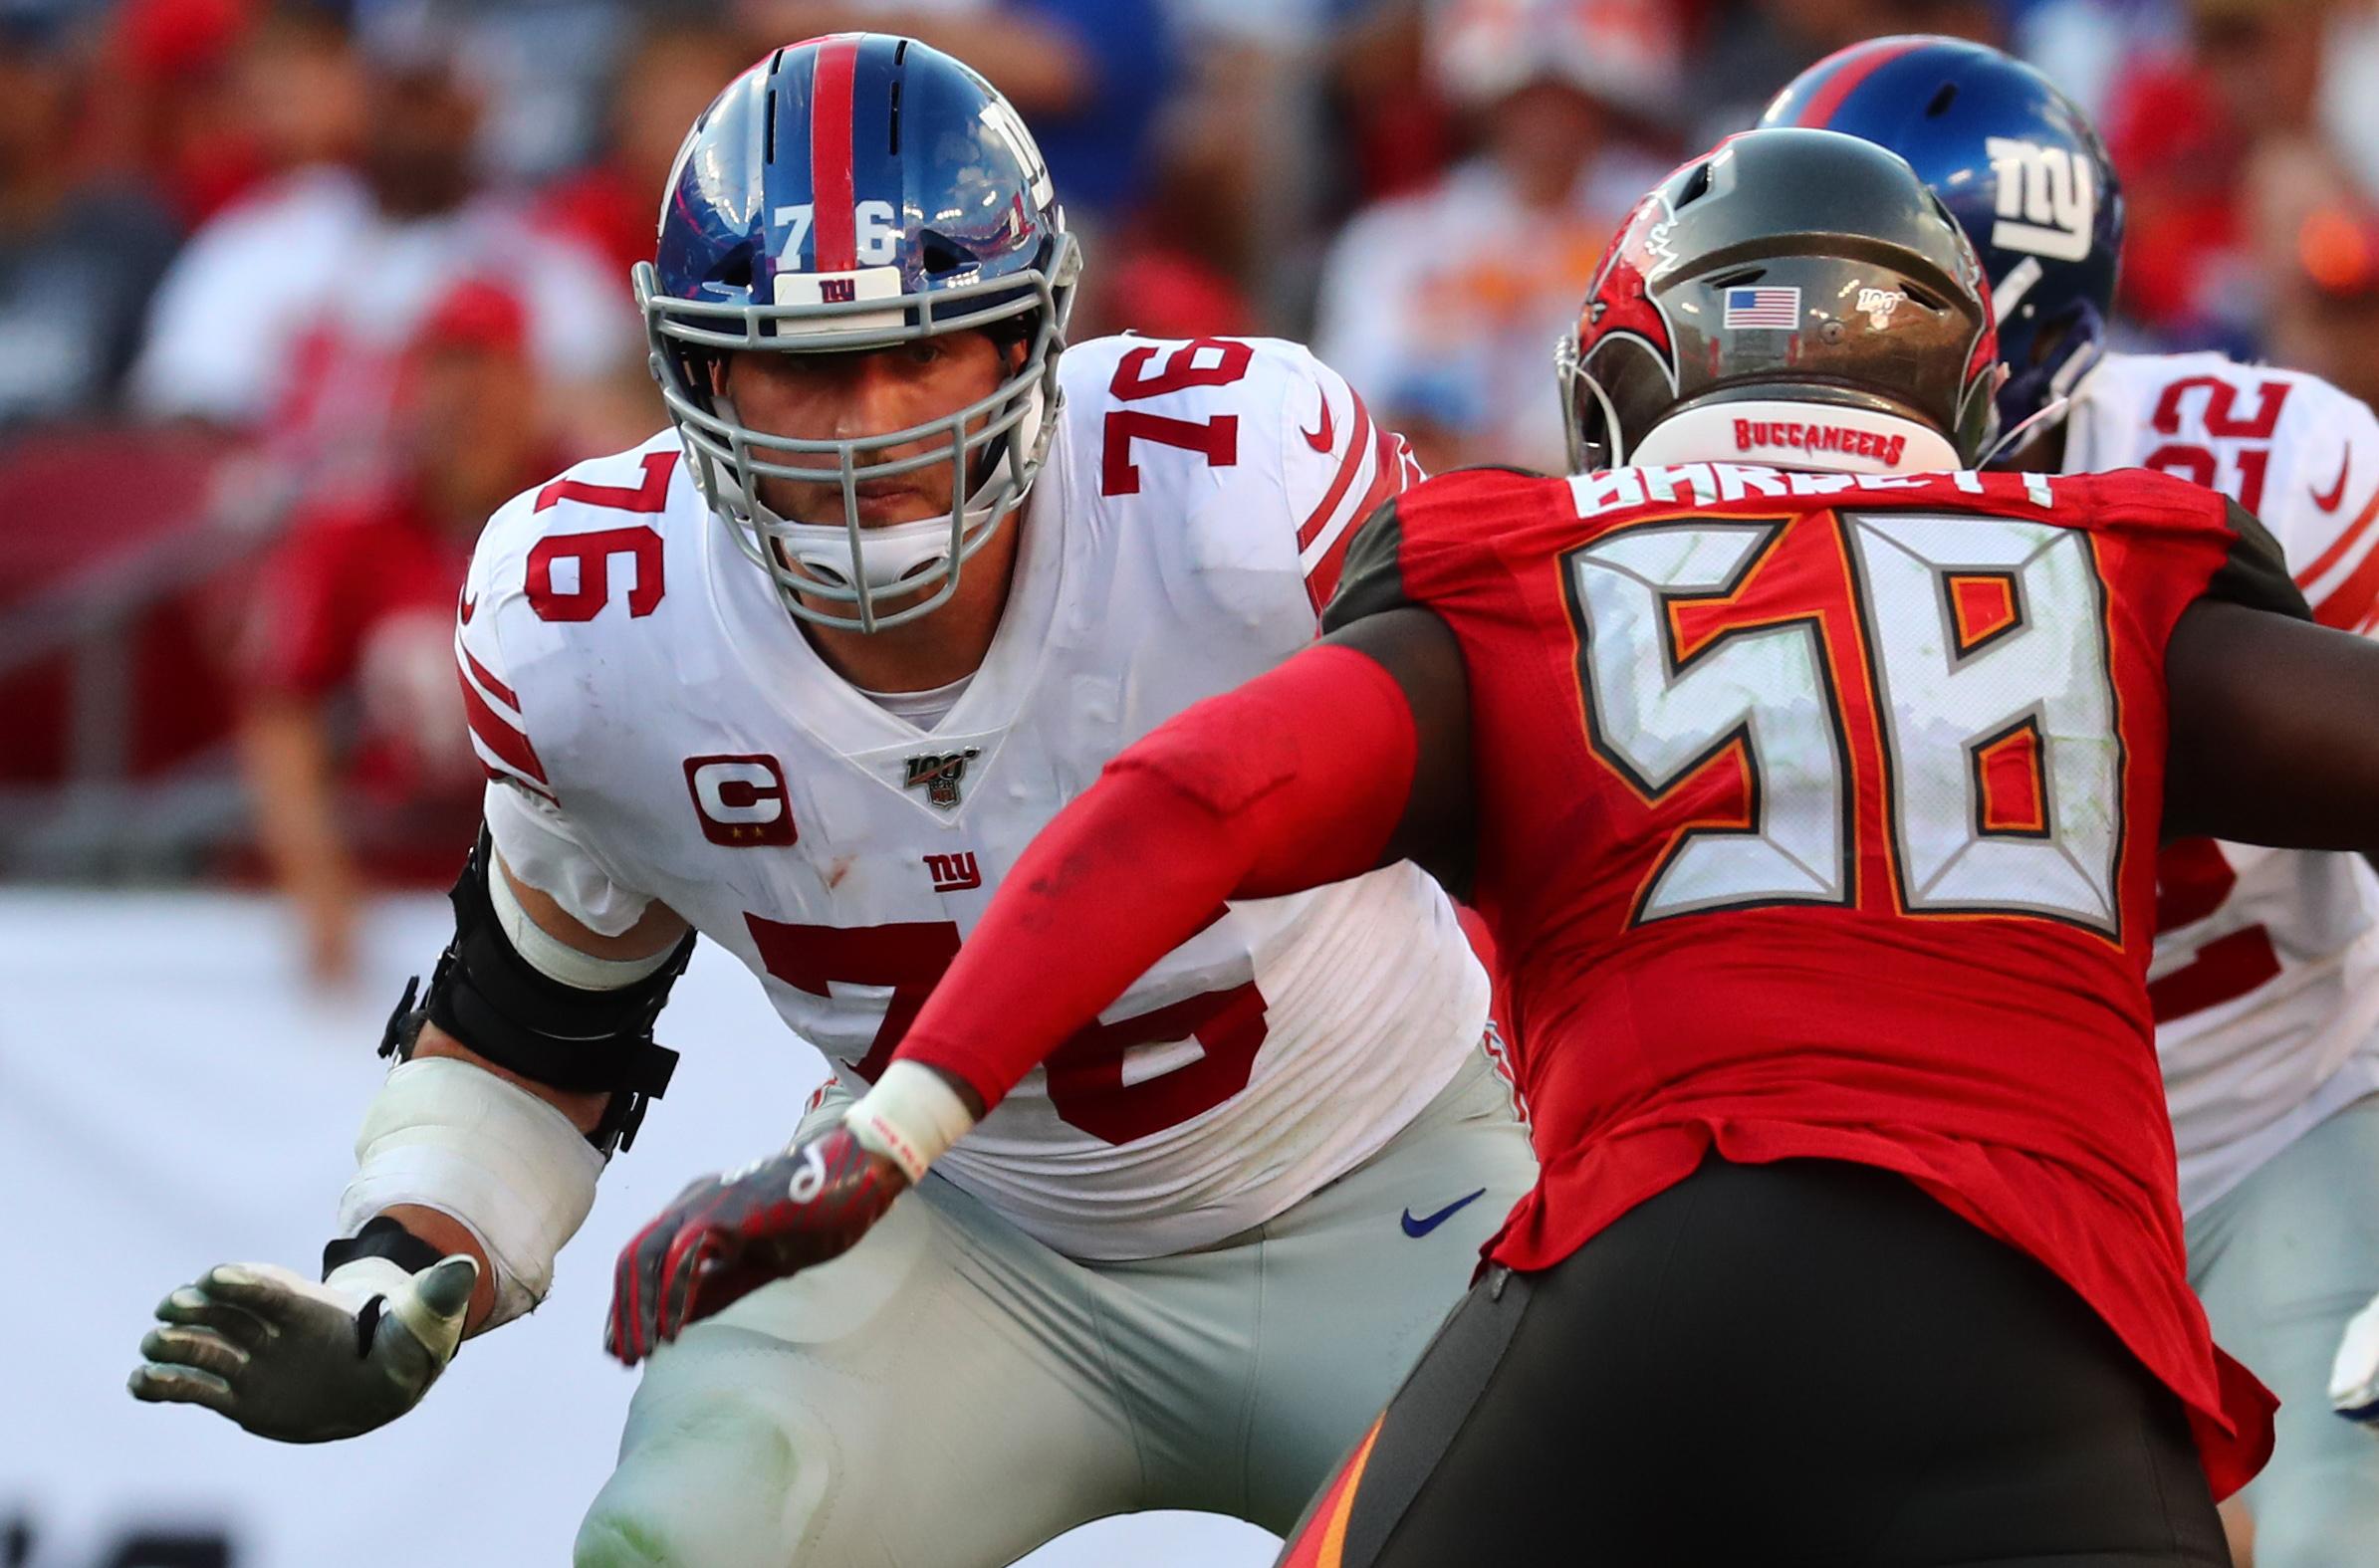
[498,734]
[2342,583]
[488,683]
[1358,445]
[1392,469]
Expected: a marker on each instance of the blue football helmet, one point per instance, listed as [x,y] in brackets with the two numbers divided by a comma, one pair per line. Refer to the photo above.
[2019,167]
[855,193]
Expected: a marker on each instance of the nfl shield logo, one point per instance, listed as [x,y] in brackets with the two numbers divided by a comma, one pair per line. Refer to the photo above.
[939,776]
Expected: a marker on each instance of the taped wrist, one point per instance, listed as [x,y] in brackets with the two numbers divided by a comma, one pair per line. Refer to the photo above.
[910,1117]
[510,1168]
[587,1036]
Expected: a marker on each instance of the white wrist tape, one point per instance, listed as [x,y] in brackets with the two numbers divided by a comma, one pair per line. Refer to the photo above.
[555,959]
[368,1276]
[510,1168]
[910,1117]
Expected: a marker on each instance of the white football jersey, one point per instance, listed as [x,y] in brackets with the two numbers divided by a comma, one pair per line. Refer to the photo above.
[662,730]
[2265,978]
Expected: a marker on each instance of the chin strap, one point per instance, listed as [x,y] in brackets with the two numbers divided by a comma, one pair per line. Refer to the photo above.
[900,556]
[2026,430]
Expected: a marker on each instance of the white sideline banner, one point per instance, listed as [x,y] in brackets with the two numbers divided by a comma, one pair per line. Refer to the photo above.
[171,1096]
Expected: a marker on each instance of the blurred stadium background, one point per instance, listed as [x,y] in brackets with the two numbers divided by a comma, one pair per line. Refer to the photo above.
[292,294]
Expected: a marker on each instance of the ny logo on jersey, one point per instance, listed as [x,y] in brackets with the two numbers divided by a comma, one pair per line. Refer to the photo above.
[939,776]
[2046,203]
[954,873]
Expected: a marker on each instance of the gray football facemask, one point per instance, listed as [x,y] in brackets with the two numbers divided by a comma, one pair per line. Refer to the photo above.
[838,573]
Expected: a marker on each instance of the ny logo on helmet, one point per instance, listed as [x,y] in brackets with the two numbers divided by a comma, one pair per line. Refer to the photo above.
[939,776]
[2046,203]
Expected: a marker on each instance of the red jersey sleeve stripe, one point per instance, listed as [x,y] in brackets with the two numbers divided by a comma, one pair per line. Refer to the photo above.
[1357,443]
[487,682]
[834,213]
[1388,478]
[506,743]
[2342,545]
[506,776]
[2350,605]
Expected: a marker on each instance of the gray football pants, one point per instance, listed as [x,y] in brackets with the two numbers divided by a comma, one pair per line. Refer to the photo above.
[2282,1261]
[953,1394]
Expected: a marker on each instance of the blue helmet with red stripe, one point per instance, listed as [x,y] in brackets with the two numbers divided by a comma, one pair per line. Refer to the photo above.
[2019,167]
[848,193]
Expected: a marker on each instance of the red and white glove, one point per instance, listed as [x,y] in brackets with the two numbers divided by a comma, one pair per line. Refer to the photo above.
[727,1236]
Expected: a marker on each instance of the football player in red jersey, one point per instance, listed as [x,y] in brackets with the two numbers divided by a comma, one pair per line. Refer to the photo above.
[1814,810]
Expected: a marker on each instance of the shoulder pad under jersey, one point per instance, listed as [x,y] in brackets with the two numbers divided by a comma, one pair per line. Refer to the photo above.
[2294,450]
[559,570]
[1246,461]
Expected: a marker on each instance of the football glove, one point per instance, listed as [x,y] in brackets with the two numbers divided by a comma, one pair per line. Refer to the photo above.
[727,1236]
[300,1361]
[2354,1375]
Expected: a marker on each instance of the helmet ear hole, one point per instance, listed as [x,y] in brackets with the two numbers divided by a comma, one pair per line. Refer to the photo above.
[940,256]
[1597,430]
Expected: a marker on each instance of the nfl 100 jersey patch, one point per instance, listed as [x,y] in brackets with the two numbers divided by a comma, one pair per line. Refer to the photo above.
[698,749]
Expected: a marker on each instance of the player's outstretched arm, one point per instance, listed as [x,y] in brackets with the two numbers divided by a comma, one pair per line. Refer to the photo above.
[478,1159]
[2275,730]
[1353,755]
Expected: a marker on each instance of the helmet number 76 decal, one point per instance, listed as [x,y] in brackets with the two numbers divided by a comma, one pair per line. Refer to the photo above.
[2047,204]
[876,226]
[1989,674]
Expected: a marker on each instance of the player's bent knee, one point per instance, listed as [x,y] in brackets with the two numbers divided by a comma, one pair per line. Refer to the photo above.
[724,1485]
[2304,1533]
[2323,1514]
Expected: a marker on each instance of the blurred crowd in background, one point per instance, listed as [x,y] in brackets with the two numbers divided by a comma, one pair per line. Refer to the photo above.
[292,295]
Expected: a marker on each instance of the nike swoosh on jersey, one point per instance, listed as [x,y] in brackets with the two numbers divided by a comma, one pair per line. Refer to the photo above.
[1428,1222]
[1323,439]
[2337,491]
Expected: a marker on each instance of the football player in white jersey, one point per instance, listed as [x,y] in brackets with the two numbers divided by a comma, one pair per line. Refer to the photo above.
[2265,978]
[805,674]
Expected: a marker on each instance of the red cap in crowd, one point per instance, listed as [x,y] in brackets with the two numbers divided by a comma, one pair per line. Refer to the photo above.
[475,314]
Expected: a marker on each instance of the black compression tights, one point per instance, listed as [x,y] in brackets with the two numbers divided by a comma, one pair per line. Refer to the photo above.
[1801,1365]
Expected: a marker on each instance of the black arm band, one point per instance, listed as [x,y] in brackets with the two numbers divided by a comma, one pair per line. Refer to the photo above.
[381,1236]
[485,994]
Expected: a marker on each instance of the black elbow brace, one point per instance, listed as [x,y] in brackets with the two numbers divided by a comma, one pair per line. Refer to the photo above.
[485,994]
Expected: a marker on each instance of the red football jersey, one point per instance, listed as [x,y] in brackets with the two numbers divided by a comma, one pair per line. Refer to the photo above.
[1818,817]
